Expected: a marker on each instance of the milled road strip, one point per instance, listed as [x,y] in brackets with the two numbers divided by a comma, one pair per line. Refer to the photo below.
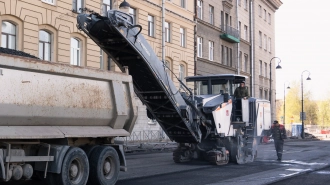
[294,168]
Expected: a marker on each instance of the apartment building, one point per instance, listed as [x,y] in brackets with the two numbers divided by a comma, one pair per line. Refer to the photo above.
[47,29]
[238,37]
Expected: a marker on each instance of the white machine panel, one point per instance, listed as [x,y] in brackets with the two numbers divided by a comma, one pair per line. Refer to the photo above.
[245,111]
[222,119]
[263,117]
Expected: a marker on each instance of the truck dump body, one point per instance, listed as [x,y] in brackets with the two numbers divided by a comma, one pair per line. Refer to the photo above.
[42,100]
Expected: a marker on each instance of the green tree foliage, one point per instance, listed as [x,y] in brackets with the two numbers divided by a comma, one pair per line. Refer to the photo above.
[293,106]
[323,113]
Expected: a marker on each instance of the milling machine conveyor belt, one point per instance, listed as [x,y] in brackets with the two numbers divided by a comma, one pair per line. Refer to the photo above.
[122,41]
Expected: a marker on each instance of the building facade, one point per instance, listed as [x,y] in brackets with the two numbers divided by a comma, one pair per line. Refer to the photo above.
[47,29]
[238,37]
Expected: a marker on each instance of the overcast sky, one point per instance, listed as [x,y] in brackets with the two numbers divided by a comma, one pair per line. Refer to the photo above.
[302,31]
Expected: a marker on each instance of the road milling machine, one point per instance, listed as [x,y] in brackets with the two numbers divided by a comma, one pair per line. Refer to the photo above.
[202,116]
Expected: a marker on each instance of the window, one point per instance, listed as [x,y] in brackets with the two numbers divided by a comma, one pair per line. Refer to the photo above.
[211,50]
[260,68]
[101,59]
[269,44]
[266,72]
[167,32]
[168,68]
[265,14]
[245,62]
[106,5]
[239,2]
[222,19]
[183,3]
[260,39]
[200,9]
[230,57]
[211,14]
[245,4]
[266,94]
[260,93]
[49,1]
[75,52]
[151,26]
[260,11]
[240,60]
[44,45]
[132,12]
[8,35]
[226,22]
[199,46]
[77,5]
[182,37]
[269,18]
[245,32]
[224,55]
[239,28]
[182,72]
[265,44]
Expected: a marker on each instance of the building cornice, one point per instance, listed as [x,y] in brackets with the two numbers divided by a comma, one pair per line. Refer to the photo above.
[273,4]
[227,4]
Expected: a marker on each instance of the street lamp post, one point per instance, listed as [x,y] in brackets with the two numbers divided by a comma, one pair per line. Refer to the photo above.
[284,104]
[270,80]
[124,5]
[302,103]
[270,77]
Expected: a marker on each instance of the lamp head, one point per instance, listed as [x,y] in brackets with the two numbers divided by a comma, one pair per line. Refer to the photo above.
[308,78]
[278,66]
[124,5]
[288,87]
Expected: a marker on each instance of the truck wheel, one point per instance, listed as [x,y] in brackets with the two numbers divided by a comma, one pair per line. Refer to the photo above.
[88,149]
[104,166]
[75,169]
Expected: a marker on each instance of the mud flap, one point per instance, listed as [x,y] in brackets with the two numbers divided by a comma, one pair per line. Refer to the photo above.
[2,166]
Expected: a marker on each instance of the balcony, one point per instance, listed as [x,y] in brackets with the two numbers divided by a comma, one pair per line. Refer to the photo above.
[230,34]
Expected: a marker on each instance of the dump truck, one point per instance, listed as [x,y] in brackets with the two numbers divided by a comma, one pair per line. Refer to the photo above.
[59,122]
[202,115]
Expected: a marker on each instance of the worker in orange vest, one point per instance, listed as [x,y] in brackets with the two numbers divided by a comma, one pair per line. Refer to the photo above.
[278,133]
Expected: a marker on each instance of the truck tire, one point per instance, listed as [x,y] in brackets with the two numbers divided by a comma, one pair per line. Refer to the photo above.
[75,169]
[88,149]
[104,166]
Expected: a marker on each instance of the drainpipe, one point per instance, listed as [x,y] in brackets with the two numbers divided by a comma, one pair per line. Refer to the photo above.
[163,31]
[239,35]
[251,23]
[195,39]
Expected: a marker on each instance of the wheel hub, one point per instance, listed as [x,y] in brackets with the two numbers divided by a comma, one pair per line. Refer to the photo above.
[106,167]
[73,170]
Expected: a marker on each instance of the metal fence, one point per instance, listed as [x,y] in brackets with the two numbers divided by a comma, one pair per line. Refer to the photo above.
[145,136]
[230,30]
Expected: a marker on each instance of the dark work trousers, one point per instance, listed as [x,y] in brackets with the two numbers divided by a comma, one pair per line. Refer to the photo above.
[279,147]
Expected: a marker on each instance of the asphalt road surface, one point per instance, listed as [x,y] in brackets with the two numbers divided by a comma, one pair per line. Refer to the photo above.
[304,162]
[318,177]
